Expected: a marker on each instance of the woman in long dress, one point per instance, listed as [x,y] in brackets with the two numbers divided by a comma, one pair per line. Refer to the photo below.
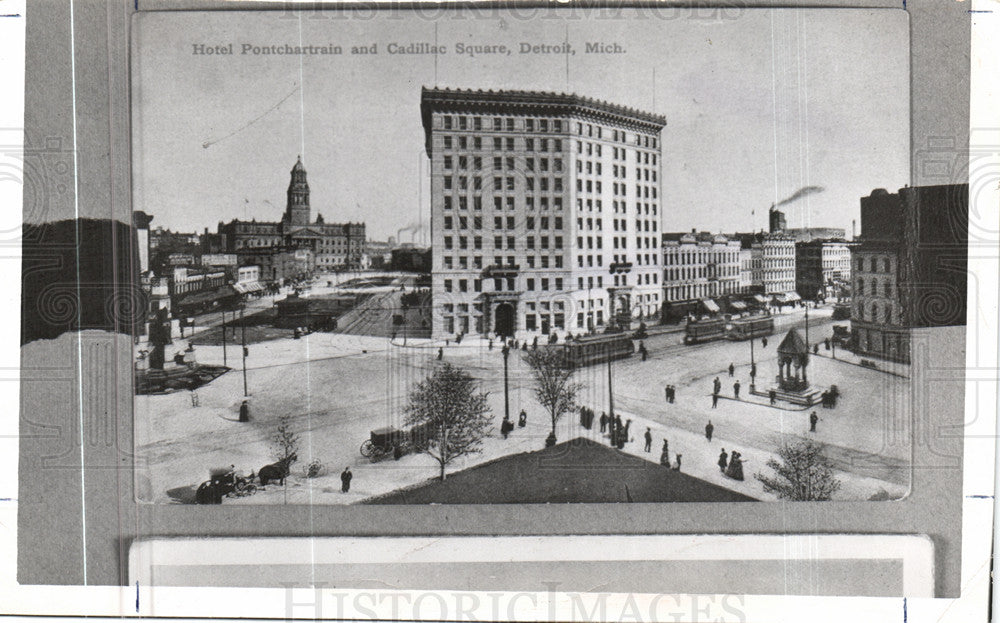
[735,468]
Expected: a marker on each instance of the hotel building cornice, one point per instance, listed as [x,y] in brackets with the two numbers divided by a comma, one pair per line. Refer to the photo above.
[534,103]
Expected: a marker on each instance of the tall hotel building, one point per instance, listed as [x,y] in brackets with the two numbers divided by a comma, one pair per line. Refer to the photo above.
[545,212]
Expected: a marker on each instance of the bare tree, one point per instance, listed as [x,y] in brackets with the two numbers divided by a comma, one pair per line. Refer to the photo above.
[552,372]
[453,412]
[284,440]
[802,474]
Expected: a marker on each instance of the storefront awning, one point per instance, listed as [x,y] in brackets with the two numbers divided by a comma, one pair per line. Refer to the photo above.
[710,305]
[738,305]
[760,298]
[791,297]
[248,286]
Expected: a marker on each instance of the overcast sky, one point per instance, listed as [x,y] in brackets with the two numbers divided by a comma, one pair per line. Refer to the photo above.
[759,103]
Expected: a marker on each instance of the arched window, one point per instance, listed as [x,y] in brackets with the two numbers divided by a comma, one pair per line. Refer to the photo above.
[886,264]
[861,286]
[873,266]
[874,312]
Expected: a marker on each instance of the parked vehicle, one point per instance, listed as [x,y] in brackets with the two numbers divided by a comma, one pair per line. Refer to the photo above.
[390,440]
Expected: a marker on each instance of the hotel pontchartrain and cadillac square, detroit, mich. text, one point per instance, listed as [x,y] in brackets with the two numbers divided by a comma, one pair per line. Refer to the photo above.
[412,48]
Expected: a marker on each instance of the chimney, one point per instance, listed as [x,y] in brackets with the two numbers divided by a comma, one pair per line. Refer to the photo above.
[854,229]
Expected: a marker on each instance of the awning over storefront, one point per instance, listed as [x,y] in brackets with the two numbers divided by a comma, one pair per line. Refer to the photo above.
[792,297]
[738,305]
[760,298]
[710,305]
[248,286]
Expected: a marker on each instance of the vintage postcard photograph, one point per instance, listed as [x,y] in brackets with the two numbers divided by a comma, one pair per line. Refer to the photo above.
[468,257]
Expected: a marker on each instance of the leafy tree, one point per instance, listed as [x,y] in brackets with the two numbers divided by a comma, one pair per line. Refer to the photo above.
[453,411]
[552,373]
[284,441]
[802,474]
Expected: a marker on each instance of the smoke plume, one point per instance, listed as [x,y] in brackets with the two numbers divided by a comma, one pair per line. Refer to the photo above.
[798,194]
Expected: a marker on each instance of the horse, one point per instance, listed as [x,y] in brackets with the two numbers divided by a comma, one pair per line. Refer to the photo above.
[276,471]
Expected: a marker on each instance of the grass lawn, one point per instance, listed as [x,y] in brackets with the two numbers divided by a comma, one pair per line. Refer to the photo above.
[579,470]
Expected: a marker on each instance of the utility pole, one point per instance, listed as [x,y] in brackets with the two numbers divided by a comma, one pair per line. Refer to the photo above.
[506,388]
[807,325]
[243,333]
[224,361]
[611,391]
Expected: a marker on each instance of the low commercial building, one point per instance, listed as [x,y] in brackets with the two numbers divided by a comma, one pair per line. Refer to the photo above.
[822,269]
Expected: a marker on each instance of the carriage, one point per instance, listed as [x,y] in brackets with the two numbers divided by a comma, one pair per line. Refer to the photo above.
[390,440]
[224,482]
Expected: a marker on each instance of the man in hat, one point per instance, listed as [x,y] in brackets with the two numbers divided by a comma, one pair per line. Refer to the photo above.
[245,412]
[709,429]
[345,479]
[723,461]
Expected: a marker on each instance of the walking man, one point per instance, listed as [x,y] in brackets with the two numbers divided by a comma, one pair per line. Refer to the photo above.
[709,429]
[736,390]
[723,461]
[666,393]
[753,372]
[245,412]
[649,440]
[345,479]
[731,369]
[716,385]
[715,400]
[773,395]
[763,342]
[604,421]
[440,353]
[813,419]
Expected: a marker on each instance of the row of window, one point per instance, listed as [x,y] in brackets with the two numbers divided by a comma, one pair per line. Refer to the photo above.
[499,222]
[887,287]
[510,124]
[873,264]
[499,203]
[498,242]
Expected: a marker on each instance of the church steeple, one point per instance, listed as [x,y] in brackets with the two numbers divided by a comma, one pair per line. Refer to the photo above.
[297,211]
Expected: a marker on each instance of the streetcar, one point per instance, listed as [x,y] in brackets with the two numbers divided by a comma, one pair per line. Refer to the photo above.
[591,350]
[704,330]
[749,328]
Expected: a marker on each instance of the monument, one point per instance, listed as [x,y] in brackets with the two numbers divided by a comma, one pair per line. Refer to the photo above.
[792,383]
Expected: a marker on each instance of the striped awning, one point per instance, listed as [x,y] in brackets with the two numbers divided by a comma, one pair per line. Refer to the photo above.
[248,286]
[710,305]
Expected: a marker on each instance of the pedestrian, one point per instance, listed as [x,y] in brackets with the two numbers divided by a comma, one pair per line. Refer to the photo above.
[772,395]
[763,342]
[665,454]
[506,426]
[673,394]
[709,429]
[649,440]
[440,353]
[534,343]
[736,390]
[716,385]
[715,400]
[491,343]
[677,465]
[245,412]
[753,371]
[731,369]
[522,420]
[604,421]
[618,423]
[816,348]
[826,343]
[345,479]
[813,419]
[666,393]
[723,461]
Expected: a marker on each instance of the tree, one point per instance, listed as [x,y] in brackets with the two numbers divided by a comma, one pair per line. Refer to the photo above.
[802,474]
[453,411]
[284,440]
[552,373]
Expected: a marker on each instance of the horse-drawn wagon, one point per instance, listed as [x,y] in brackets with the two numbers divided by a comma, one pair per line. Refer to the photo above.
[390,440]
[223,482]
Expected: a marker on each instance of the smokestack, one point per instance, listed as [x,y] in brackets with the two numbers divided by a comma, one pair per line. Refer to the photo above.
[854,229]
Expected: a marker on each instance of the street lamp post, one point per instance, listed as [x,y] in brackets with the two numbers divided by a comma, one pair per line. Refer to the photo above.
[611,391]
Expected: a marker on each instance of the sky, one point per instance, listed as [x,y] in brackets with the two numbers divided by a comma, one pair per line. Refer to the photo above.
[759,103]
